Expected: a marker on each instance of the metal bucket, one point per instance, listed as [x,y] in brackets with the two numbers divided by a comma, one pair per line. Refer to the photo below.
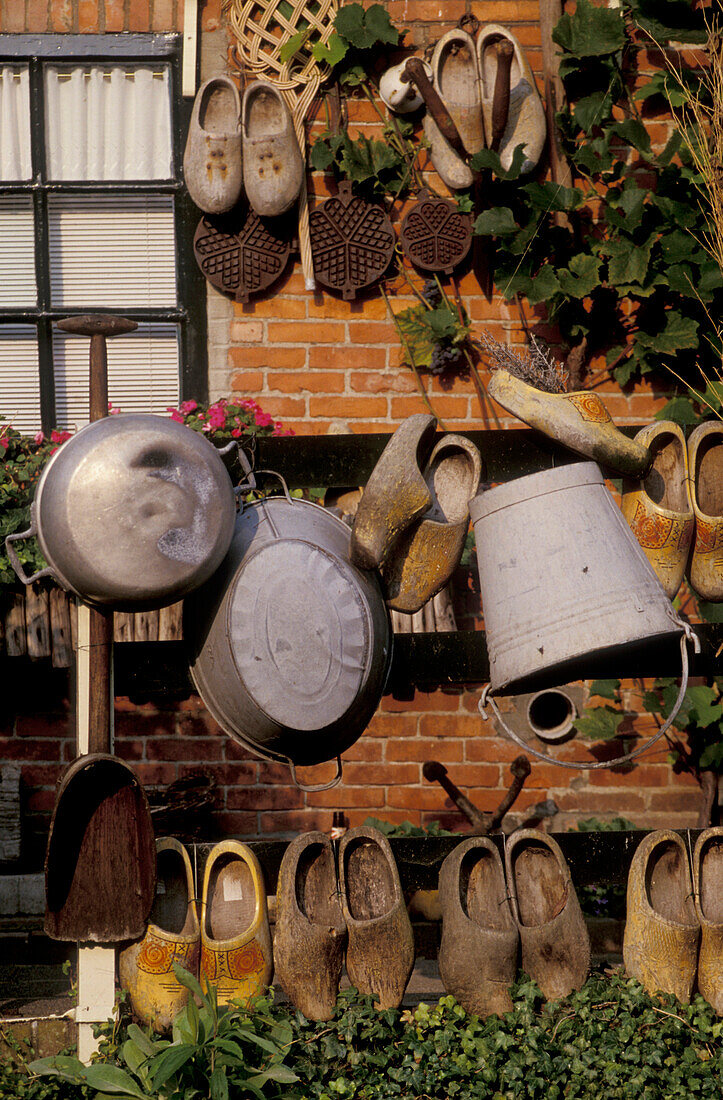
[289,643]
[565,587]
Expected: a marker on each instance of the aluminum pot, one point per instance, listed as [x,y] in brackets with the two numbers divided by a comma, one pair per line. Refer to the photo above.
[289,643]
[133,512]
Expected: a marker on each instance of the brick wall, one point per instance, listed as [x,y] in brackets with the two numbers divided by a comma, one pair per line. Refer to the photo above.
[314,360]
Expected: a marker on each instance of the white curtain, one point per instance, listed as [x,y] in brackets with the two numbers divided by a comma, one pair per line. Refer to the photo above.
[19,377]
[17,252]
[15,123]
[108,123]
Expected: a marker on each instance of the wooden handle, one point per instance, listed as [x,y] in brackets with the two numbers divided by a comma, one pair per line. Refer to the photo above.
[414,72]
[501,96]
[437,773]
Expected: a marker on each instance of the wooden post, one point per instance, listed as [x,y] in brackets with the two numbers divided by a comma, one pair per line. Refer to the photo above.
[94,694]
[550,14]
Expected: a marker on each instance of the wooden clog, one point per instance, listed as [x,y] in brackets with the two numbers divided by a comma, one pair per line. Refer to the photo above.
[380,951]
[310,934]
[236,954]
[660,944]
[554,941]
[526,124]
[273,168]
[212,157]
[480,942]
[658,507]
[708,895]
[705,462]
[145,968]
[456,79]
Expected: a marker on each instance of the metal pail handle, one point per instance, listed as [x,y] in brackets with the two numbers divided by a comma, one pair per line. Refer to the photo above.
[687,635]
[316,786]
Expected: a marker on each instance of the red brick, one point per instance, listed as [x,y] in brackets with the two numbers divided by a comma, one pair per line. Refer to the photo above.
[139,15]
[415,798]
[236,824]
[374,382]
[462,725]
[444,749]
[373,332]
[284,406]
[149,725]
[278,308]
[41,801]
[346,358]
[591,802]
[398,725]
[675,801]
[297,382]
[423,701]
[444,407]
[129,750]
[368,309]
[641,775]
[305,332]
[382,773]
[13,16]
[289,821]
[163,15]
[27,749]
[278,358]
[170,748]
[264,798]
[347,406]
[41,775]
[475,775]
[88,16]
[114,15]
[343,797]
[366,748]
[237,774]
[155,775]
[41,725]
[37,16]
[248,381]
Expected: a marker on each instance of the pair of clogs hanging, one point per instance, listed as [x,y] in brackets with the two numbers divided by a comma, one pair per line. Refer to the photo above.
[333,910]
[679,502]
[229,948]
[489,91]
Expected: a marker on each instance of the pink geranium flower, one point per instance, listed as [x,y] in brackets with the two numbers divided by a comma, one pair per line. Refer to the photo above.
[263,420]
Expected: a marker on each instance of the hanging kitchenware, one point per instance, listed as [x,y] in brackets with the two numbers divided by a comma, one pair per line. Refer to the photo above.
[565,586]
[435,234]
[289,644]
[133,512]
[352,242]
[241,260]
[100,865]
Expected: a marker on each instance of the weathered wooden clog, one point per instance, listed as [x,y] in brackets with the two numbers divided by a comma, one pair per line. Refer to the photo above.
[708,895]
[273,168]
[236,954]
[212,157]
[380,951]
[396,493]
[554,941]
[579,420]
[660,944]
[456,79]
[426,555]
[526,123]
[658,507]
[705,462]
[480,942]
[310,933]
[145,967]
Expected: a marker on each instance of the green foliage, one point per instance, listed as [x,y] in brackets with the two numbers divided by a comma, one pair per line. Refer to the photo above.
[16,1083]
[405,828]
[435,333]
[631,272]
[609,1039]
[213,1053]
[700,716]
[376,167]
[357,32]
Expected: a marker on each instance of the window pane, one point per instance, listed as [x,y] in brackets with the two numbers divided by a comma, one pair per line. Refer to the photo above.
[108,123]
[17,252]
[143,373]
[15,161]
[112,252]
[19,377]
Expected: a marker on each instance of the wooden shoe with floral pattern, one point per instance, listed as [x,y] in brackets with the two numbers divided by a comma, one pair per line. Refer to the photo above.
[146,966]
[705,461]
[658,507]
[236,954]
[660,943]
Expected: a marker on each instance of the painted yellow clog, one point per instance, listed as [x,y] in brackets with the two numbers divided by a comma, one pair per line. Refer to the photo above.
[172,936]
[708,891]
[660,944]
[658,507]
[705,462]
[236,954]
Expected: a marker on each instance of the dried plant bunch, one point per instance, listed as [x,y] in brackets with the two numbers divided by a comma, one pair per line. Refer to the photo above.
[535,365]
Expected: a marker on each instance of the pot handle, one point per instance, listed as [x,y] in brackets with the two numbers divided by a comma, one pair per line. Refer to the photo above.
[316,786]
[15,560]
[687,635]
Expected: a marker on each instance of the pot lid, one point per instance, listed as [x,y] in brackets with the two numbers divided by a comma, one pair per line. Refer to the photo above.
[300,633]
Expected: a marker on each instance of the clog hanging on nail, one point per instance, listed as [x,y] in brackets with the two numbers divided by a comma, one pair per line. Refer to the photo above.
[526,123]
[426,555]
[658,507]
[145,967]
[273,168]
[456,79]
[236,954]
[212,157]
[480,942]
[660,943]
[708,894]
[705,463]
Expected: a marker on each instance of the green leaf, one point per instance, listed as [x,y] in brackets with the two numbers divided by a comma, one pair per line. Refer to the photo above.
[592,110]
[164,1065]
[607,689]
[65,1066]
[332,53]
[627,262]
[704,706]
[349,23]
[279,1072]
[599,723]
[219,1084]
[581,277]
[591,31]
[543,285]
[321,156]
[633,131]
[189,981]
[499,221]
[379,24]
[113,1080]
[679,332]
[679,409]
[294,44]
[442,323]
